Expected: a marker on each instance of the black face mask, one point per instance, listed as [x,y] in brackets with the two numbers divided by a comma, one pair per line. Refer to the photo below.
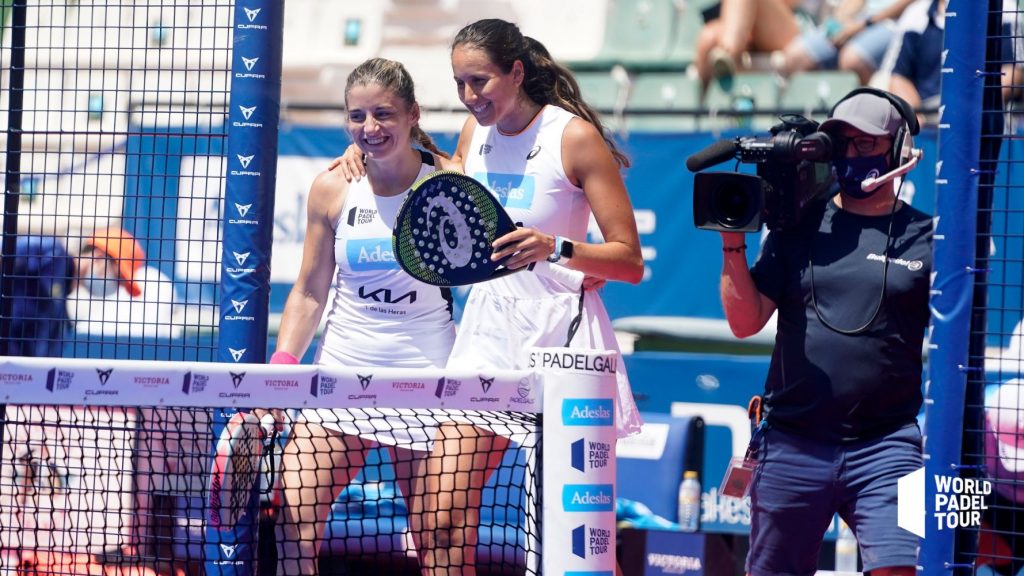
[850,172]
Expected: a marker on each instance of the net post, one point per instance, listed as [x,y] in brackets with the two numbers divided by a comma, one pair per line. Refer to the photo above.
[250,181]
[578,460]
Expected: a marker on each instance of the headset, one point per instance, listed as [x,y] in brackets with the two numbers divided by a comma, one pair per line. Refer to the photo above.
[904,156]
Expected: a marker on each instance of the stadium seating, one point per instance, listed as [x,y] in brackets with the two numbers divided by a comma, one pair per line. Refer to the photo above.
[663,91]
[637,35]
[751,92]
[688,23]
[812,93]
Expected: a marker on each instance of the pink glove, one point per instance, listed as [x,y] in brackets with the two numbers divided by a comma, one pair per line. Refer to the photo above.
[282,357]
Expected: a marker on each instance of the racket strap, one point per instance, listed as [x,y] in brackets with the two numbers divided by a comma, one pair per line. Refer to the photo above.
[575,324]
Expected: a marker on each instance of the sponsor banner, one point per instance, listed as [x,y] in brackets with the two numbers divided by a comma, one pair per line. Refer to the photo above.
[579,458]
[148,383]
[570,360]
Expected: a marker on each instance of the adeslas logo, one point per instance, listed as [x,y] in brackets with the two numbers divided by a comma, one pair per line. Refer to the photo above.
[588,412]
[588,497]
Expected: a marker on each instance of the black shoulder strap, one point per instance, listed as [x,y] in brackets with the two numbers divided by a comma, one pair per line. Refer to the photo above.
[427,158]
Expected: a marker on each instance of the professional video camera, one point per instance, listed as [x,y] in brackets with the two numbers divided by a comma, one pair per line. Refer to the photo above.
[792,170]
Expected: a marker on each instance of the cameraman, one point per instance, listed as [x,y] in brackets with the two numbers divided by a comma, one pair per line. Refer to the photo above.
[850,282]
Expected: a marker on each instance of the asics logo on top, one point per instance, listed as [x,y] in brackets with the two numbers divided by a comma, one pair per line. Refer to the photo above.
[237,354]
[236,378]
[247,112]
[243,209]
[251,14]
[249,62]
[104,375]
[364,381]
[533,153]
[244,160]
[239,306]
[485,149]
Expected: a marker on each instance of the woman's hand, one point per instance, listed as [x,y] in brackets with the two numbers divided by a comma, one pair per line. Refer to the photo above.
[351,163]
[524,246]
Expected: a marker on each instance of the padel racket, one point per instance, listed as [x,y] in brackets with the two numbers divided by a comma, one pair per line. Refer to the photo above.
[236,469]
[444,230]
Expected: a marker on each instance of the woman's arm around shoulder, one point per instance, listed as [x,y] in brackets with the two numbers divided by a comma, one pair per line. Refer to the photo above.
[589,164]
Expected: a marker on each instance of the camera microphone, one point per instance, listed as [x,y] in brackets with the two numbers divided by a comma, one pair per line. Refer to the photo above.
[870,184]
[714,154]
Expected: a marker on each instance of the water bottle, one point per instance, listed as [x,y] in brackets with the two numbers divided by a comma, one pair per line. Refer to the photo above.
[846,551]
[743,105]
[689,502]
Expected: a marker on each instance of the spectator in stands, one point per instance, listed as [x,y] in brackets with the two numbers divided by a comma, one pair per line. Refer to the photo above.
[326,448]
[745,26]
[855,38]
[116,293]
[850,283]
[914,62]
[41,280]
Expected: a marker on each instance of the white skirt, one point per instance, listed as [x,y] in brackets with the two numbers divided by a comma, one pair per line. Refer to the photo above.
[498,330]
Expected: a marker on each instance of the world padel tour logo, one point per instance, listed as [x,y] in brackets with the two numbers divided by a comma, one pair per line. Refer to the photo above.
[322,386]
[588,412]
[447,387]
[590,541]
[57,380]
[589,454]
[194,383]
[956,502]
[588,498]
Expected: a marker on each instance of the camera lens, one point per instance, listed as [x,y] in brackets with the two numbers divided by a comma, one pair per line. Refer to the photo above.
[733,207]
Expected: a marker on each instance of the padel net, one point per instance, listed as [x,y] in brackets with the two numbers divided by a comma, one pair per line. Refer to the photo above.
[183,468]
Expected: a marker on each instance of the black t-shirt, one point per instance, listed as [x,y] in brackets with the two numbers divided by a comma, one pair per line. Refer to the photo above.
[840,387]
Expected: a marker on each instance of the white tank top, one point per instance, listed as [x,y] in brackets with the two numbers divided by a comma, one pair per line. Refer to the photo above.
[380,315]
[526,173]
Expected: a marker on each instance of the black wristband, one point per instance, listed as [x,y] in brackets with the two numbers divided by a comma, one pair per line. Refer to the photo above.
[740,248]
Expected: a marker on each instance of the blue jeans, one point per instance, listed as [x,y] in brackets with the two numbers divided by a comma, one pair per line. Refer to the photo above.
[800,484]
